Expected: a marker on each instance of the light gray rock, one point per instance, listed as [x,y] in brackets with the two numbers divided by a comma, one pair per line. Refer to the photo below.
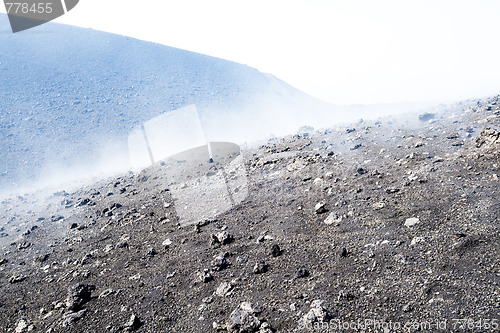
[242,321]
[106,293]
[316,314]
[417,240]
[71,318]
[224,289]
[333,218]
[250,307]
[260,267]
[413,221]
[320,207]
[133,323]
[22,326]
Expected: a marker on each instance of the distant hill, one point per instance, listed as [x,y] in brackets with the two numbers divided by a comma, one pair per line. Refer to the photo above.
[69,97]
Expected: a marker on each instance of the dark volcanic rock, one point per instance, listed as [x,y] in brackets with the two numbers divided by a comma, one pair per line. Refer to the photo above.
[132,324]
[276,250]
[220,262]
[260,267]
[302,272]
[78,295]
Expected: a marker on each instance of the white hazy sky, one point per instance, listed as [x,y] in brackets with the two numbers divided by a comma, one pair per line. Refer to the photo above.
[343,51]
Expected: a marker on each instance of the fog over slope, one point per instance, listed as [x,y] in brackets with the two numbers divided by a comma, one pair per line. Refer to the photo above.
[69,97]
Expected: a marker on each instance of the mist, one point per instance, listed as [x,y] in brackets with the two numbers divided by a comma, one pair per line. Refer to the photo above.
[67,114]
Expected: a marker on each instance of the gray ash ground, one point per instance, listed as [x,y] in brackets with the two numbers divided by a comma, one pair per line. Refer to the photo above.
[394,220]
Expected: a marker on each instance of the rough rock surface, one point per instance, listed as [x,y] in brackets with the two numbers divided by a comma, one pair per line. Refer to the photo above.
[353,251]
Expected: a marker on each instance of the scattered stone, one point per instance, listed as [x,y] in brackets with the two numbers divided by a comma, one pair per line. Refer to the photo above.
[24,245]
[260,267]
[17,279]
[56,218]
[72,317]
[221,238]
[152,252]
[115,206]
[417,240]
[83,202]
[224,289]
[205,276]
[412,222]
[73,226]
[333,218]
[356,146]
[264,237]
[22,326]
[426,116]
[276,251]
[166,243]
[3,261]
[361,171]
[407,308]
[132,324]
[488,137]
[219,327]
[392,190]
[302,272]
[344,252]
[320,207]
[265,328]
[316,314]
[219,262]
[121,244]
[438,159]
[251,308]
[78,295]
[41,258]
[208,300]
[106,293]
[67,203]
[86,258]
[243,321]
[135,277]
